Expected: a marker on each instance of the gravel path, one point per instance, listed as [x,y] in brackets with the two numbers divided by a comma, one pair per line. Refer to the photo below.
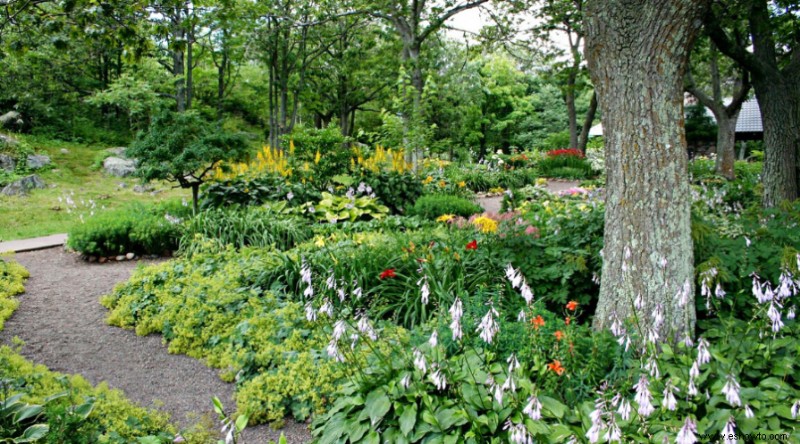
[63,326]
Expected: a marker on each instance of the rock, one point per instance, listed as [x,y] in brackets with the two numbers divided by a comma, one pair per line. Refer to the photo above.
[37,161]
[7,140]
[118,152]
[119,167]
[130,256]
[92,258]
[122,185]
[7,163]
[102,259]
[11,119]
[22,186]
[64,151]
[121,258]
[146,188]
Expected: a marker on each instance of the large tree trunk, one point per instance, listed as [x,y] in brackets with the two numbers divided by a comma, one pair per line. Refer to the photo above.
[583,140]
[780,115]
[726,144]
[637,52]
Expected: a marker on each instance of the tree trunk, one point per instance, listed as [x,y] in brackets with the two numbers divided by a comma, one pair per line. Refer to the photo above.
[726,145]
[780,116]
[638,52]
[572,113]
[195,193]
[583,140]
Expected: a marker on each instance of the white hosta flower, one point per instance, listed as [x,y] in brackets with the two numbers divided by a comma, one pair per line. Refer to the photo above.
[731,391]
[692,389]
[513,363]
[719,292]
[686,433]
[326,308]
[354,340]
[341,293]
[439,379]
[638,303]
[624,409]
[517,433]
[419,361]
[533,409]
[456,311]
[333,351]
[526,293]
[790,314]
[311,314]
[434,340]
[339,329]
[593,434]
[522,316]
[489,327]
[509,385]
[729,431]
[669,403]
[687,341]
[643,397]
[652,368]
[703,356]
[331,282]
[406,381]
[775,316]
[309,292]
[364,326]
[305,272]
[614,434]
[747,241]
[514,276]
[748,412]
[357,292]
[425,290]
[685,292]
[795,409]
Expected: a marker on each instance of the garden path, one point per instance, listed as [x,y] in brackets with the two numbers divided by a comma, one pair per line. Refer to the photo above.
[493,204]
[63,326]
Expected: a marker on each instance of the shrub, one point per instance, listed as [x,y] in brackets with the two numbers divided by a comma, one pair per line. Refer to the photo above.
[135,229]
[245,227]
[565,163]
[334,155]
[256,191]
[433,206]
[398,191]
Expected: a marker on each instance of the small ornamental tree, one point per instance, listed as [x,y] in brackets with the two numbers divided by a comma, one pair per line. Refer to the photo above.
[184,148]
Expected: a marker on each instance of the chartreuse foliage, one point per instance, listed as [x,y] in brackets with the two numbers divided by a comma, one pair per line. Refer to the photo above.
[12,280]
[205,306]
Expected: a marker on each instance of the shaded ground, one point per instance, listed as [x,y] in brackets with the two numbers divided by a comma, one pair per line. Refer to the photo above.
[63,326]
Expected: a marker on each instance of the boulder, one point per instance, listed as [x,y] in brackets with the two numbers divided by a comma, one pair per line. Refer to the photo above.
[11,119]
[22,186]
[146,188]
[118,152]
[7,163]
[119,167]
[7,140]
[37,161]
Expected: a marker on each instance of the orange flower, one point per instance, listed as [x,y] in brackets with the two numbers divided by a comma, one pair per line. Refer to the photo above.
[556,367]
[572,305]
[537,322]
[559,335]
[567,320]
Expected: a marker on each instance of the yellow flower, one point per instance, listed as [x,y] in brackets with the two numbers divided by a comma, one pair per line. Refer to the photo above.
[317,157]
[445,218]
[320,242]
[462,184]
[541,181]
[485,224]
[428,180]
[442,183]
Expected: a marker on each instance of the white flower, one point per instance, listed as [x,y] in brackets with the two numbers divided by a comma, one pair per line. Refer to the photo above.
[795,409]
[333,351]
[338,329]
[533,409]
[513,276]
[624,409]
[331,282]
[419,361]
[341,293]
[685,291]
[522,316]
[643,397]
[406,381]
[309,291]
[526,293]
[439,380]
[686,433]
[614,434]
[365,327]
[729,431]
[305,273]
[424,290]
[670,403]
[638,303]
[593,434]
[434,340]
[692,389]
[357,292]
[703,356]
[748,412]
[517,433]
[513,363]
[719,292]
[311,315]
[731,391]
[289,195]
[509,385]
[790,314]
[489,327]
[456,311]
[326,308]
[775,316]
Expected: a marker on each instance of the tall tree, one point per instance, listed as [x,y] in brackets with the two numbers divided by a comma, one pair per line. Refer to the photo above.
[774,64]
[726,115]
[637,52]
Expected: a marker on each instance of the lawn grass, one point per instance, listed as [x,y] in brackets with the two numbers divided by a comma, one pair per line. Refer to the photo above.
[73,174]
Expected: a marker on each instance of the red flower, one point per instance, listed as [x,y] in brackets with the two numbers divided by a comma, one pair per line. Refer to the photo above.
[572,305]
[388,273]
[559,335]
[537,322]
[565,152]
[556,367]
[567,320]
[472,245]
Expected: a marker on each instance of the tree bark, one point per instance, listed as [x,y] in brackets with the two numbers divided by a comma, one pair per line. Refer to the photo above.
[726,145]
[638,53]
[583,140]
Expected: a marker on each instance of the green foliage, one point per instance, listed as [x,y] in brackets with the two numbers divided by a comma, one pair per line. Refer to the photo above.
[565,166]
[137,228]
[433,206]
[398,191]
[256,191]
[12,279]
[208,307]
[346,208]
[700,127]
[328,142]
[243,227]
[478,178]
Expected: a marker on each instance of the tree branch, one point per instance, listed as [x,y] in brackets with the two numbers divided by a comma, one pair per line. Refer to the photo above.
[436,24]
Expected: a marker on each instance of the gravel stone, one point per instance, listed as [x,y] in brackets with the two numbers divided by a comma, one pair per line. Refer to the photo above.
[63,326]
